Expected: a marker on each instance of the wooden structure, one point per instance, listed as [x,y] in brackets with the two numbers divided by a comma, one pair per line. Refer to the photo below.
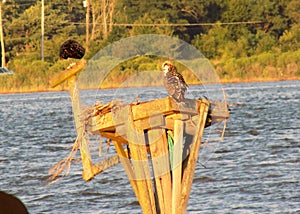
[156,141]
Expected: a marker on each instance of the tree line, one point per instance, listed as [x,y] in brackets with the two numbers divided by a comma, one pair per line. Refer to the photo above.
[244,39]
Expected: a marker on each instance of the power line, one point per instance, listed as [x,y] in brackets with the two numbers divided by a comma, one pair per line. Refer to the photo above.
[186,24]
[175,24]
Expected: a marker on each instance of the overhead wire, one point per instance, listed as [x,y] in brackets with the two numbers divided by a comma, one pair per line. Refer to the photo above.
[174,24]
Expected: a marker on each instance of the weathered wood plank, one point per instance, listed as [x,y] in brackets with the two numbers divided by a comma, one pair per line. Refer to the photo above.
[161,167]
[163,106]
[189,124]
[188,173]
[106,164]
[144,111]
[139,158]
[113,136]
[103,123]
[177,166]
[68,73]
[106,123]
[124,159]
[87,172]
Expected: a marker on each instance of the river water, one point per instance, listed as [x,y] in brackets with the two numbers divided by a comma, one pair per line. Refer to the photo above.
[255,169]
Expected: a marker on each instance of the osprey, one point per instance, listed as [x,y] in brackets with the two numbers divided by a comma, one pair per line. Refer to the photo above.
[174,82]
[71,49]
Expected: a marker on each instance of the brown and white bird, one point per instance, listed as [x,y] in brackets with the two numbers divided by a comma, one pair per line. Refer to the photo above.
[174,82]
[71,49]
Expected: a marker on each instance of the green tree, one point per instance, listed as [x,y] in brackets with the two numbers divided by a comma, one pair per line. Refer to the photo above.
[213,43]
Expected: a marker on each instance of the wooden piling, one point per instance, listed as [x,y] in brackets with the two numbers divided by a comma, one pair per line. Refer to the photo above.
[177,166]
[161,168]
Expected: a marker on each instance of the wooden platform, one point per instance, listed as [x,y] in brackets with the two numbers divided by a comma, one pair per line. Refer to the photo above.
[106,119]
[157,142]
[156,113]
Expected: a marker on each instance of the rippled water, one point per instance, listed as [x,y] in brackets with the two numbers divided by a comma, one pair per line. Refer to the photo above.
[256,169]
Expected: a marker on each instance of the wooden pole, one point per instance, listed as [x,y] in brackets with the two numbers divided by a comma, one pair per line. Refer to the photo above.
[104,8]
[87,25]
[189,171]
[139,155]
[87,173]
[139,176]
[3,62]
[161,167]
[124,159]
[42,29]
[177,166]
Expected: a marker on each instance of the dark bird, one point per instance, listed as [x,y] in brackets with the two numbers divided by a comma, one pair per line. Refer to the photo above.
[174,82]
[71,49]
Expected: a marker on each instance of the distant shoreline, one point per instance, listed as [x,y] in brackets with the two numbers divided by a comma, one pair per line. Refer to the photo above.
[224,81]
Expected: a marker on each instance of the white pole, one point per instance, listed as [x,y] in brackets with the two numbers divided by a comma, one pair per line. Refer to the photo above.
[87,4]
[42,27]
[3,63]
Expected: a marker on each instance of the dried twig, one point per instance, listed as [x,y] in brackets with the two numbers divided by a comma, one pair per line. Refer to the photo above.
[65,164]
[87,113]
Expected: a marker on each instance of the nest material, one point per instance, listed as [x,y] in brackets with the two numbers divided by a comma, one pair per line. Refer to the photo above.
[98,109]
[65,164]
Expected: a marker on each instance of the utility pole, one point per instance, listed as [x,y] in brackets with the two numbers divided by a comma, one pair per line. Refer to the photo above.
[87,4]
[3,63]
[43,31]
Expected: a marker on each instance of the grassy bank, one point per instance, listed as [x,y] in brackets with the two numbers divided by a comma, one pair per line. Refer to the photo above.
[36,76]
[65,87]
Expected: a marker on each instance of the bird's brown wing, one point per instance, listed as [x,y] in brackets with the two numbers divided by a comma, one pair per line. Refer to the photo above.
[175,86]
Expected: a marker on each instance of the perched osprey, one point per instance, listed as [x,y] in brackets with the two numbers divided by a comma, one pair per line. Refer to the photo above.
[174,82]
[71,49]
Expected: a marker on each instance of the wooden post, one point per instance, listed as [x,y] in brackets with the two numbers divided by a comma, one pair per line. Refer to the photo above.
[139,158]
[177,166]
[189,171]
[87,172]
[3,63]
[42,29]
[87,25]
[70,74]
[124,159]
[161,167]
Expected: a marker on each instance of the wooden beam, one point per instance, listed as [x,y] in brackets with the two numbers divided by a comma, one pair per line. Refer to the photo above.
[138,151]
[189,171]
[114,137]
[189,125]
[143,111]
[68,73]
[177,166]
[139,158]
[161,167]
[87,172]
[124,159]
[106,164]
